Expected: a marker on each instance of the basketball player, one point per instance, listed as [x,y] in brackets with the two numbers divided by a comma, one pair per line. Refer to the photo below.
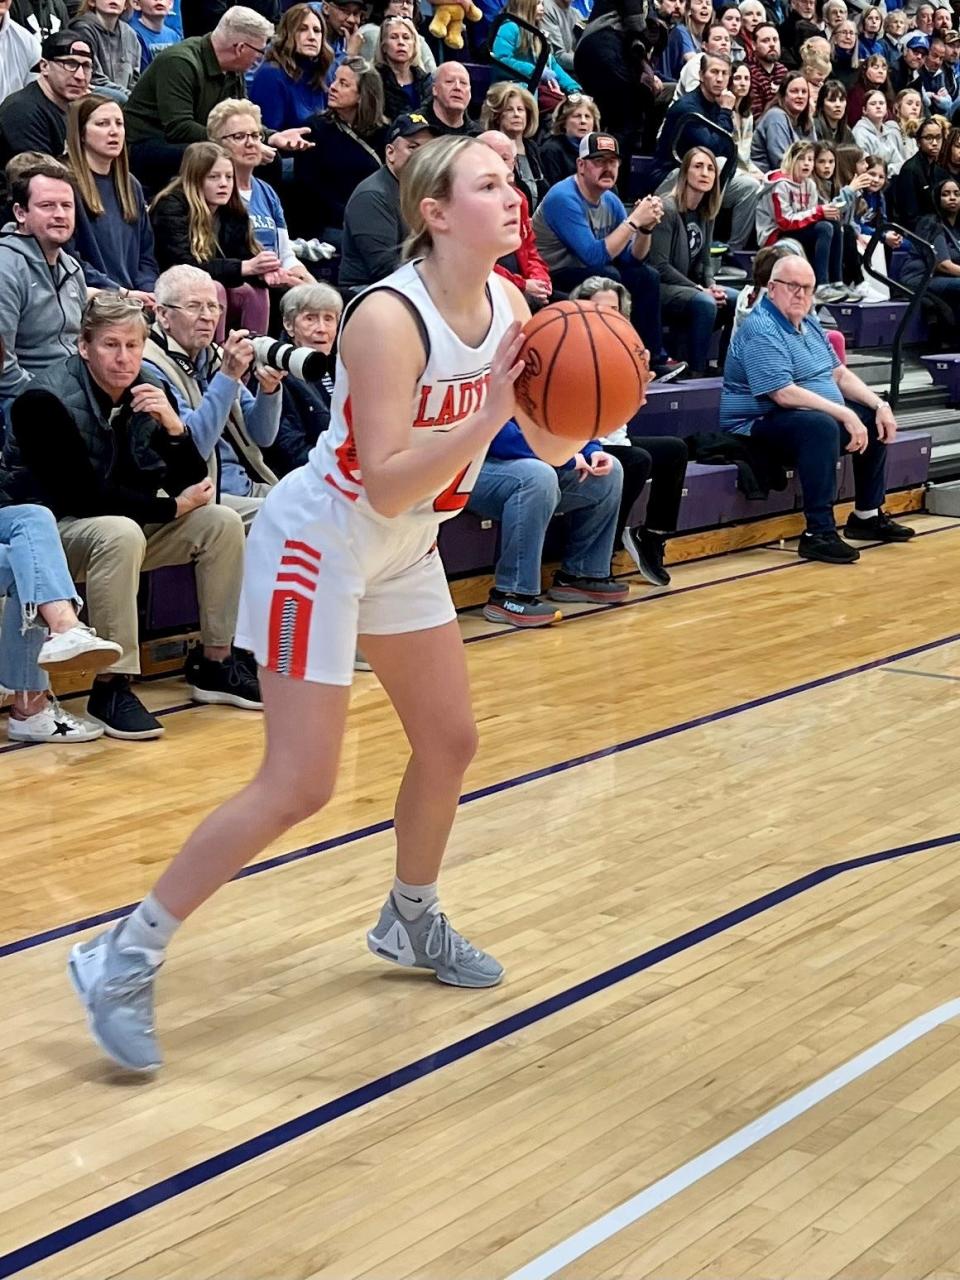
[346,546]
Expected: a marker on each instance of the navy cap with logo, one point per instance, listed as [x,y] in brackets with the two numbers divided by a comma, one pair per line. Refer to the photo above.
[60,44]
[407,125]
[918,42]
[597,145]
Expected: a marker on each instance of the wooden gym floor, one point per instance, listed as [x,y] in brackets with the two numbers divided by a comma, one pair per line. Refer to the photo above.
[713,834]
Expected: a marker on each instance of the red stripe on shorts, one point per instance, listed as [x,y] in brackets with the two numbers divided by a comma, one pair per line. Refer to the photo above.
[289,635]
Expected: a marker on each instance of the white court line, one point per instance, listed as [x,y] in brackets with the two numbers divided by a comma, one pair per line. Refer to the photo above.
[575,1246]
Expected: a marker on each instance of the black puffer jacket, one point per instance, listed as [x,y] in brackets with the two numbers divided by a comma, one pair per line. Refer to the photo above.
[171,233]
[71,451]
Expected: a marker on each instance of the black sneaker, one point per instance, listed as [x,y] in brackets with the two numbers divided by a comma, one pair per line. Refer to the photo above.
[593,590]
[646,551]
[229,682]
[828,547]
[668,370]
[519,610]
[113,704]
[879,528]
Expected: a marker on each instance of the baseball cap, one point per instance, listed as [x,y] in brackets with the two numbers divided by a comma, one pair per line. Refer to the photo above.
[407,125]
[918,42]
[60,43]
[595,145]
[951,37]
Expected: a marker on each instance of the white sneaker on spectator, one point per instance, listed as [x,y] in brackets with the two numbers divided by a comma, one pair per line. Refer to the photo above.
[79,649]
[828,293]
[53,724]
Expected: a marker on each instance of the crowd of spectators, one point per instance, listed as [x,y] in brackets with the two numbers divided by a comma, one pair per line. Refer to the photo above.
[172,193]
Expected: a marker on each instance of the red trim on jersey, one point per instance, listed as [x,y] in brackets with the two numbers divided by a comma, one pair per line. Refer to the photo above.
[340,489]
[298,562]
[310,584]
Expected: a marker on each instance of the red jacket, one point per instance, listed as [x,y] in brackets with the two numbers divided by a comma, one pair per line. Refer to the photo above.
[532,266]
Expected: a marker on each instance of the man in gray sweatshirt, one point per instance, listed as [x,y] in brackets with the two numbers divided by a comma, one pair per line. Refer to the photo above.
[42,291]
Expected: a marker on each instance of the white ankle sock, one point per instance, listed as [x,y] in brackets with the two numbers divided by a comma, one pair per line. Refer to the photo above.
[414,899]
[866,515]
[150,926]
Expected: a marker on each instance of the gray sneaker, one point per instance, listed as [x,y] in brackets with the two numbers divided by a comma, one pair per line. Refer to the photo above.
[115,984]
[432,943]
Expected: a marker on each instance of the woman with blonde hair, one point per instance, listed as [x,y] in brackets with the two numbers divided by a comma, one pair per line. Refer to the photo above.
[237,125]
[360,520]
[113,238]
[199,219]
[575,117]
[680,252]
[115,47]
[513,110]
[370,31]
[406,85]
[291,83]
[514,52]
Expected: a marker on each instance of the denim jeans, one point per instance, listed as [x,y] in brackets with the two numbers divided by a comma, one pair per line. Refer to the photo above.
[641,281]
[695,315]
[523,494]
[33,571]
[823,244]
[811,441]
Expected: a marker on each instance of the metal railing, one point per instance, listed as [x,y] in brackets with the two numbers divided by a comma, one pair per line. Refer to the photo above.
[915,296]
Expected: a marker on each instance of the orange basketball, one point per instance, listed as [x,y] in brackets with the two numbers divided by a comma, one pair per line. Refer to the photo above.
[586,370]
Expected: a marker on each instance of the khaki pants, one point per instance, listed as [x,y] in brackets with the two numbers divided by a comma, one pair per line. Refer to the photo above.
[247,507]
[109,553]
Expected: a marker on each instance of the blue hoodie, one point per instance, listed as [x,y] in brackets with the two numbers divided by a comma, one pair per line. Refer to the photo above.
[510,443]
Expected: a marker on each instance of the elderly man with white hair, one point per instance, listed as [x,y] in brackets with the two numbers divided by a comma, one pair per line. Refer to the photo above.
[228,425]
[784,387]
[171,102]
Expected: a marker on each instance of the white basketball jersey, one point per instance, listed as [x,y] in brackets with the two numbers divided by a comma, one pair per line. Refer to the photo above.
[452,387]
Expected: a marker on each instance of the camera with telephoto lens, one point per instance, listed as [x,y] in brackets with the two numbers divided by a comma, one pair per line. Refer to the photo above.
[300,362]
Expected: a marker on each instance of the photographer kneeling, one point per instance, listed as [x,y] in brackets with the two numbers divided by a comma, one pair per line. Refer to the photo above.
[228,425]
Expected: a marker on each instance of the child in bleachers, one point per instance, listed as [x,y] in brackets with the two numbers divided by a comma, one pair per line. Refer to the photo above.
[790,205]
[845,196]
[151,22]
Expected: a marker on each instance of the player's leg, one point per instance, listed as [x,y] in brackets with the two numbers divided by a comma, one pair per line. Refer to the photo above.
[425,676]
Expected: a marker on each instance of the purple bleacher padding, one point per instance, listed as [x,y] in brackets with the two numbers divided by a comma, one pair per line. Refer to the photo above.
[908,460]
[845,482]
[466,546]
[169,600]
[873,324]
[777,503]
[743,258]
[679,408]
[945,372]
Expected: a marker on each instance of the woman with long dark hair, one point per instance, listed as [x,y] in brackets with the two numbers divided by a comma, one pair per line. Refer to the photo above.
[941,228]
[680,251]
[199,219]
[872,73]
[830,122]
[786,120]
[112,238]
[291,84]
[913,186]
[349,140]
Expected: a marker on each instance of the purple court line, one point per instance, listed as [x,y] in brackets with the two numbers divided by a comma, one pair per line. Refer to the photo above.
[493,788]
[309,1122]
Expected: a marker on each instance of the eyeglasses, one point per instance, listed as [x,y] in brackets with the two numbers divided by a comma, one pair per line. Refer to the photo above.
[243,44]
[73,66]
[253,135]
[798,290]
[195,309]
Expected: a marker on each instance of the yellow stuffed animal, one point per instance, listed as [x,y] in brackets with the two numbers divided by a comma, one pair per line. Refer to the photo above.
[447,24]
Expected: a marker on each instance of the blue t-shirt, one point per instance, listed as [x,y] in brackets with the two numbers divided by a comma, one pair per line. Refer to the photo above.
[266,215]
[151,42]
[767,354]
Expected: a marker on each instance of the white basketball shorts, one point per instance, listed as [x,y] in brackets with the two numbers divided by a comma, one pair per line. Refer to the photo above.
[319,571]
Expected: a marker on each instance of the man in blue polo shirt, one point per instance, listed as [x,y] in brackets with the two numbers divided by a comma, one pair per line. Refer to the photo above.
[783,386]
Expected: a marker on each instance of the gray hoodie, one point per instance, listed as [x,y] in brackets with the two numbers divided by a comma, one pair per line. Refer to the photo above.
[40,309]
